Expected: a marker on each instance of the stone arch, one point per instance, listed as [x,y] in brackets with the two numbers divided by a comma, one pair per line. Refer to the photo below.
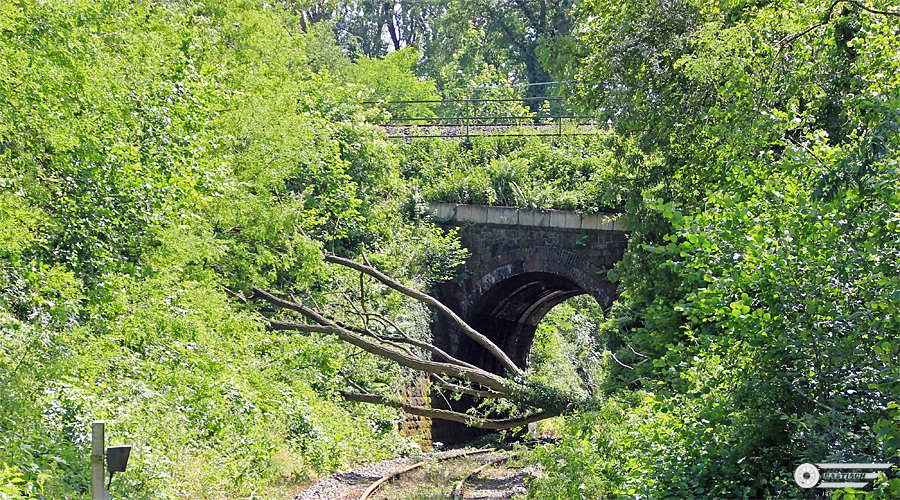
[511,293]
[521,263]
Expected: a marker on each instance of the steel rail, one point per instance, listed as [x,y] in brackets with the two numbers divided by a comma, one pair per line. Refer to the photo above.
[457,493]
[449,456]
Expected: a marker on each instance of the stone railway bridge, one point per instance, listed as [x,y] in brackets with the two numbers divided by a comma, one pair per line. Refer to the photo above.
[522,263]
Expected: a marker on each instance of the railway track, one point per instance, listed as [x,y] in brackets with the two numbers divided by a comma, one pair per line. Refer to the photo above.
[457,492]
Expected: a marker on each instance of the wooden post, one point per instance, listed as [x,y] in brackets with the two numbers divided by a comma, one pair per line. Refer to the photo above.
[98,449]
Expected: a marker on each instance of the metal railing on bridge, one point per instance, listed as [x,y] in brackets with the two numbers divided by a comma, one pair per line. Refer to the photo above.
[547,115]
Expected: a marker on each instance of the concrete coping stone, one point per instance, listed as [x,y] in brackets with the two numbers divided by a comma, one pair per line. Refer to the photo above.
[511,216]
[471,213]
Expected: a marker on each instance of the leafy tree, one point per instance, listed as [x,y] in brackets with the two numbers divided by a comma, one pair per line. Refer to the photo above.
[154,154]
[375,28]
[509,37]
[752,297]
[525,27]
[392,78]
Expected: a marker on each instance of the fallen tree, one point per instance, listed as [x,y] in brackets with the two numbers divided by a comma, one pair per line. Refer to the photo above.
[524,401]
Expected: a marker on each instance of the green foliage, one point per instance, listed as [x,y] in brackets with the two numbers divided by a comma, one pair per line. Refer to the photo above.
[587,173]
[586,462]
[757,301]
[467,76]
[468,38]
[808,317]
[393,79]
[12,486]
[516,31]
[157,159]
[568,350]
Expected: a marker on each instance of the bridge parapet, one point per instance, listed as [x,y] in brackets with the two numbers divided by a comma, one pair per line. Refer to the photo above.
[511,216]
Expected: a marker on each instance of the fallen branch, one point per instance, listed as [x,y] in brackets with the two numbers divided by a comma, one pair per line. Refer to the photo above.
[441,308]
[464,418]
[402,337]
[447,373]
[475,375]
[466,390]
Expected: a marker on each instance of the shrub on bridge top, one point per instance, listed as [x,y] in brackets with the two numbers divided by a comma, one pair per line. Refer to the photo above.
[596,172]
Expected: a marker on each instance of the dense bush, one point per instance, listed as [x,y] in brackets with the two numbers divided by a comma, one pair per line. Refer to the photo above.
[758,304]
[156,159]
[588,173]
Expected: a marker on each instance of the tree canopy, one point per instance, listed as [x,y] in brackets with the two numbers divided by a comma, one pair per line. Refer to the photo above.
[758,295]
[175,177]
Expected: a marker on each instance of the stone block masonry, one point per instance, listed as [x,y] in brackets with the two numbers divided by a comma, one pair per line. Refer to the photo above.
[416,427]
[522,263]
